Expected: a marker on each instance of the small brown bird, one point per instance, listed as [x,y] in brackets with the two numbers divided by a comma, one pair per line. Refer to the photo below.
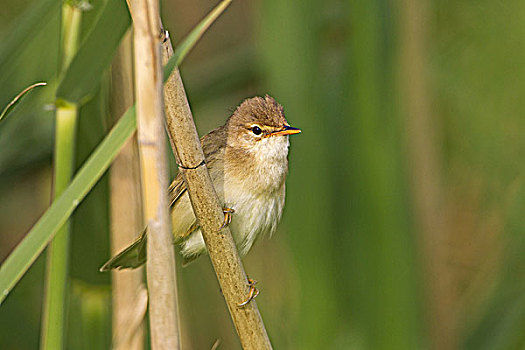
[248,161]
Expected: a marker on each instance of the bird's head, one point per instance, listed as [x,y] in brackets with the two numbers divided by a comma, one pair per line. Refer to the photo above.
[258,126]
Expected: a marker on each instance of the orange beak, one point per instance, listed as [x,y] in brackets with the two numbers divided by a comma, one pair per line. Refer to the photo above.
[287,130]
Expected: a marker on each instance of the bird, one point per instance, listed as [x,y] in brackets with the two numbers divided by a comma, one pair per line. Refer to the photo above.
[247,159]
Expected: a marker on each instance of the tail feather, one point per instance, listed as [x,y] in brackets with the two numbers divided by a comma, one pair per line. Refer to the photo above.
[131,257]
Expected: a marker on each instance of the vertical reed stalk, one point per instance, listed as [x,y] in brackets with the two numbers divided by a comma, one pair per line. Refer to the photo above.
[126,210]
[424,158]
[208,210]
[164,320]
[56,296]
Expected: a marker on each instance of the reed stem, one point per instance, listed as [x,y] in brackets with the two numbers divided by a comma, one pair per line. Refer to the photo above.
[162,287]
[126,210]
[56,285]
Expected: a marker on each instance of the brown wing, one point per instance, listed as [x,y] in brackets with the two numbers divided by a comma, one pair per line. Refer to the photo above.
[211,146]
[176,189]
[135,254]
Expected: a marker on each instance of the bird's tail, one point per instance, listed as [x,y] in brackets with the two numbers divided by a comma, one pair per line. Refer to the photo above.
[131,257]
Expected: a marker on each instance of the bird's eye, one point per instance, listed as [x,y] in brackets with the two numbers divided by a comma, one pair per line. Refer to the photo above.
[256,130]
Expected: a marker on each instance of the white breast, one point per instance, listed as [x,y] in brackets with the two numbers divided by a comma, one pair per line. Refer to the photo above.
[257,197]
[255,214]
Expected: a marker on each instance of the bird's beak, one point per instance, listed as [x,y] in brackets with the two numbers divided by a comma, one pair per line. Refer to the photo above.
[287,130]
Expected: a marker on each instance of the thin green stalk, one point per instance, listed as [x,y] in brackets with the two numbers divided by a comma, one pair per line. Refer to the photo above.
[56,297]
[71,20]
[55,304]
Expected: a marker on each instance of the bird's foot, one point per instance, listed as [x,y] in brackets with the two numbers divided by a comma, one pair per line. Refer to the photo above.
[252,294]
[227,217]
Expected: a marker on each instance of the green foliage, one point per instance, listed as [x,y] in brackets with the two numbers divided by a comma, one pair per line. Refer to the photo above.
[28,54]
[36,240]
[94,56]
[44,230]
[86,232]
[41,11]
[91,310]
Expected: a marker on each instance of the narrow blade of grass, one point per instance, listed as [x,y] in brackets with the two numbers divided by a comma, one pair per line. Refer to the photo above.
[44,230]
[17,98]
[19,261]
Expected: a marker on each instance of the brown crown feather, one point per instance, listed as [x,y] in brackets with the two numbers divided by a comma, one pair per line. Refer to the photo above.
[265,111]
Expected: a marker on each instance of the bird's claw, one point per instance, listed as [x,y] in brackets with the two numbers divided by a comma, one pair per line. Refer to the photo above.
[227,217]
[254,292]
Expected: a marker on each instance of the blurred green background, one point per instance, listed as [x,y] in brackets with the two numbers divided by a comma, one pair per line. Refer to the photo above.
[403,227]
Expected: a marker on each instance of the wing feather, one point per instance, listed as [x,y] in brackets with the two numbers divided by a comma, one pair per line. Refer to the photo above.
[176,189]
